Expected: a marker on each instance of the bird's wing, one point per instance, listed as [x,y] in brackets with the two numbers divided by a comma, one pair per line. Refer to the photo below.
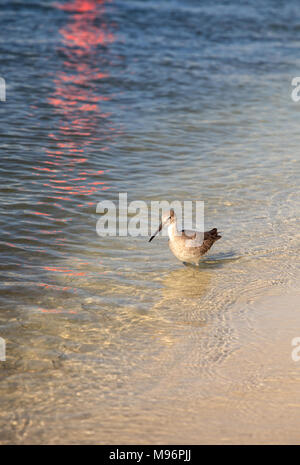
[196,237]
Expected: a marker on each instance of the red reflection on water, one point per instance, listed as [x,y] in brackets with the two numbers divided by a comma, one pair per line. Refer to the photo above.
[45,310]
[77,102]
[64,270]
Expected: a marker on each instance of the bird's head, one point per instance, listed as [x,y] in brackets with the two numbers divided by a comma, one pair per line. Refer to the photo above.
[167,219]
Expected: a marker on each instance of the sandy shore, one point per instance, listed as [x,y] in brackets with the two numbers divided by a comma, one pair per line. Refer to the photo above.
[253,397]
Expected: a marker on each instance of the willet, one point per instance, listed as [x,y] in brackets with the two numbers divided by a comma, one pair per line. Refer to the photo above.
[187,246]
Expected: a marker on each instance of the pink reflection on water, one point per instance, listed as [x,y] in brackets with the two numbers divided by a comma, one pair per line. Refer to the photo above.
[77,102]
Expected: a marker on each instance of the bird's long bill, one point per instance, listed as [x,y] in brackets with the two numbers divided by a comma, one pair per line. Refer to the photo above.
[159,229]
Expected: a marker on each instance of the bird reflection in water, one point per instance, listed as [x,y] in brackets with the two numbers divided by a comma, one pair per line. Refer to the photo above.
[182,292]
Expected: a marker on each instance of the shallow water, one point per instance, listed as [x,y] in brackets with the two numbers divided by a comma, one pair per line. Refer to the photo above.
[112,339]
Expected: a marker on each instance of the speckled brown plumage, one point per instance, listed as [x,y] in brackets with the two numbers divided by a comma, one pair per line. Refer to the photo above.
[187,246]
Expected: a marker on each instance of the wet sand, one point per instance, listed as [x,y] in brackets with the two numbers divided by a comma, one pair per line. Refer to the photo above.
[255,397]
[252,397]
[235,386]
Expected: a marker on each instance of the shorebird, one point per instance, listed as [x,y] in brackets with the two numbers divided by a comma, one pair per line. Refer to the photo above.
[187,246]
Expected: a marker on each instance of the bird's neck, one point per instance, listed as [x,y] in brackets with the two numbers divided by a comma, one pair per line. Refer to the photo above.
[172,230]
